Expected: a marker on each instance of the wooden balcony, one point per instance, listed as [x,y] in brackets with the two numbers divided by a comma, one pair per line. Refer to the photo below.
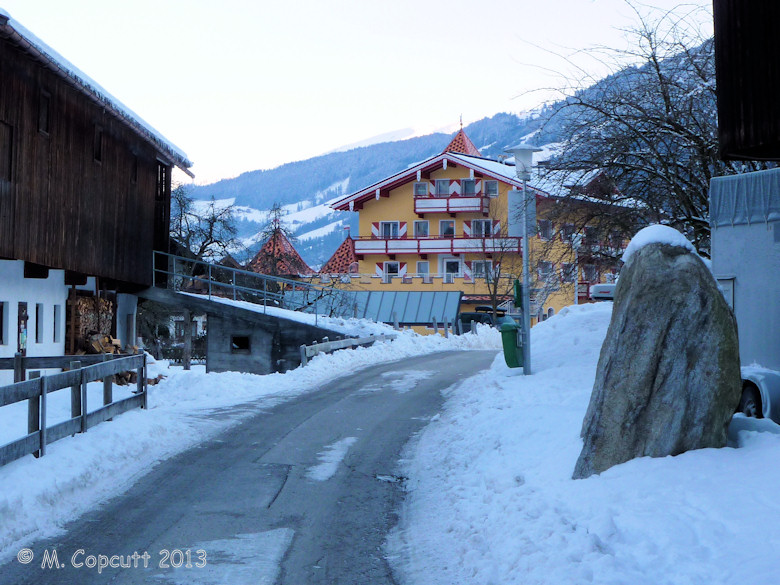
[453,204]
[436,245]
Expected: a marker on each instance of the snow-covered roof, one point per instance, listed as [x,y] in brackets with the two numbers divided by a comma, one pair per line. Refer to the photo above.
[488,167]
[40,50]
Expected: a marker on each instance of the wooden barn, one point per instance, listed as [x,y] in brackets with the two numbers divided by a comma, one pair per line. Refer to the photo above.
[85,190]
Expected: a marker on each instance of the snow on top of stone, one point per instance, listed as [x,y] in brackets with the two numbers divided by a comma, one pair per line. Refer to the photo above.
[91,86]
[656,234]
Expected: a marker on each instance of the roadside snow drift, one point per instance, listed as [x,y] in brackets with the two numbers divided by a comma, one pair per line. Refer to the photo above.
[491,499]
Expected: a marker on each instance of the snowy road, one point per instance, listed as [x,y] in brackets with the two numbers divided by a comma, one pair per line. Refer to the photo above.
[304,493]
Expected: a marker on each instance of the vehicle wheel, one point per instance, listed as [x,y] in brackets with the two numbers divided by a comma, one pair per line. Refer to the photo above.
[750,403]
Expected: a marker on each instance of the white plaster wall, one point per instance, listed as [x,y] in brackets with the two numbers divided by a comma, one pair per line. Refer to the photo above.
[126,309]
[14,288]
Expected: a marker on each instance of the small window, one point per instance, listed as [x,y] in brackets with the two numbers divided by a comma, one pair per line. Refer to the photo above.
[6,151]
[482,269]
[591,236]
[482,228]
[240,344]
[567,233]
[391,270]
[491,188]
[57,324]
[447,228]
[590,273]
[388,230]
[550,312]
[421,229]
[468,187]
[545,229]
[44,100]
[568,272]
[442,187]
[451,270]
[421,189]
[38,323]
[423,267]
[97,144]
[545,270]
[3,323]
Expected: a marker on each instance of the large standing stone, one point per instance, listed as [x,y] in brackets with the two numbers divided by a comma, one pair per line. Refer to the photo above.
[668,377]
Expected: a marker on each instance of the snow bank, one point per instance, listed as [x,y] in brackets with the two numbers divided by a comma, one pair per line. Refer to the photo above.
[37,496]
[491,499]
[656,234]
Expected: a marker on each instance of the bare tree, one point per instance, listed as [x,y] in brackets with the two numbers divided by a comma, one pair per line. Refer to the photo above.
[647,132]
[206,229]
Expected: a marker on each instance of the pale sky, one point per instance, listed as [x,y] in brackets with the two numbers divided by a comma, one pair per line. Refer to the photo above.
[241,85]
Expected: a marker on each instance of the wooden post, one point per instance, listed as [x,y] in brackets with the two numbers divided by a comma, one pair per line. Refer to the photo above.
[435,326]
[108,386]
[34,412]
[18,367]
[187,352]
[75,393]
[44,394]
[141,385]
[83,405]
[304,357]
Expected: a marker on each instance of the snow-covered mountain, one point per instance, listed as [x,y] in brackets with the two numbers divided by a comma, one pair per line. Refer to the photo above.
[304,188]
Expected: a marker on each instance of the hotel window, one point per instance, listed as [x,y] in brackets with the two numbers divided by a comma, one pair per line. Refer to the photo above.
[482,269]
[447,228]
[388,230]
[491,188]
[451,270]
[567,233]
[545,229]
[545,270]
[421,229]
[442,187]
[468,187]
[482,228]
[390,270]
[590,273]
[421,189]
[423,267]
[568,272]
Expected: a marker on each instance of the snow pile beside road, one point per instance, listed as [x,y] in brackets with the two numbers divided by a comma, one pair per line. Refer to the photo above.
[492,500]
[37,496]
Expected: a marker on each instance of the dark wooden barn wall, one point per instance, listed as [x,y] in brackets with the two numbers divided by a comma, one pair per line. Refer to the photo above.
[62,208]
[747,57]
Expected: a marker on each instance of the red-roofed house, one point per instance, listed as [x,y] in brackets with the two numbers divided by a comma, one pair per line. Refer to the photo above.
[278,257]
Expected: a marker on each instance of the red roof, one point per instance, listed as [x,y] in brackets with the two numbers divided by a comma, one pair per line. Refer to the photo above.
[278,257]
[343,259]
[462,144]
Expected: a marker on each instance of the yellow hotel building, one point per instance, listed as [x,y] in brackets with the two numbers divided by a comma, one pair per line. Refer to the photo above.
[452,223]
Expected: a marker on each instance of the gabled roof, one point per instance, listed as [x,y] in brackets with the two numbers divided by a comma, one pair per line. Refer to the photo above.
[485,167]
[462,144]
[279,257]
[342,258]
[40,51]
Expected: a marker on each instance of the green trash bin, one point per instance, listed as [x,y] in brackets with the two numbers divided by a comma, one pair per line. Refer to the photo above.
[512,339]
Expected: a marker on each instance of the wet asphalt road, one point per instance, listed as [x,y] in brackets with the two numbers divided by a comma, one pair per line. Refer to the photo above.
[303,493]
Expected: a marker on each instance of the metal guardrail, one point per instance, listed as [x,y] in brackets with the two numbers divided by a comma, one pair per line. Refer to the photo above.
[213,280]
[309,351]
[37,389]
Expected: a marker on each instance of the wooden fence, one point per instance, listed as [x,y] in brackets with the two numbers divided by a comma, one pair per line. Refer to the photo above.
[38,388]
[308,351]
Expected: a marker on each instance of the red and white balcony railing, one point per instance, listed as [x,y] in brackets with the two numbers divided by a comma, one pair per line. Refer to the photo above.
[436,245]
[455,204]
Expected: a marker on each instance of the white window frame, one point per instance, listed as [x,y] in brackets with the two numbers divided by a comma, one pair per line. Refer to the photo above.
[463,187]
[545,270]
[441,230]
[423,268]
[545,229]
[594,273]
[486,271]
[427,228]
[487,190]
[568,272]
[387,276]
[449,277]
[426,190]
[487,229]
[397,229]
[447,190]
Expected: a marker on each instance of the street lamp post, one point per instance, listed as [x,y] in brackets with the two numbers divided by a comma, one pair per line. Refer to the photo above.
[524,155]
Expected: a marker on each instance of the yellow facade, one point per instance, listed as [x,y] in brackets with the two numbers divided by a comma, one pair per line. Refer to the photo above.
[400,267]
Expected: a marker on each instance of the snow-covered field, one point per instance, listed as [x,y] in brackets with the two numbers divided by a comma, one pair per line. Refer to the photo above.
[37,496]
[491,499]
